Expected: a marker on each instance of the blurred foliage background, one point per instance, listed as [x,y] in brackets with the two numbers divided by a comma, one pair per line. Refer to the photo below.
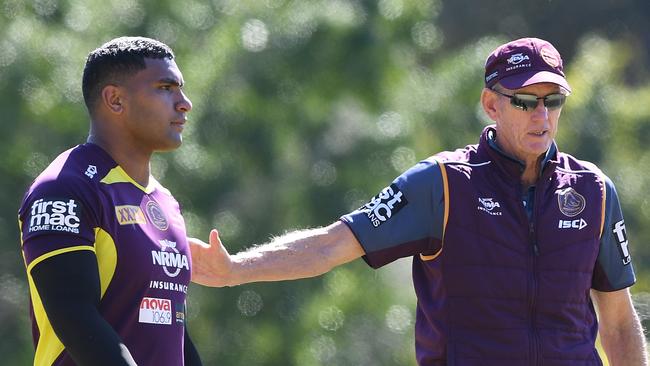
[302,111]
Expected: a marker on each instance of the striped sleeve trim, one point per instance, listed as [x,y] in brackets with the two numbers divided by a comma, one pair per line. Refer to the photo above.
[445,184]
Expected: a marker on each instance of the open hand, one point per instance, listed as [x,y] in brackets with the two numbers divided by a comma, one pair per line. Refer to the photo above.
[211,263]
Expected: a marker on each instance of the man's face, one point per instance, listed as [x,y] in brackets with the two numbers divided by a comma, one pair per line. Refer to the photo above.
[526,134]
[156,106]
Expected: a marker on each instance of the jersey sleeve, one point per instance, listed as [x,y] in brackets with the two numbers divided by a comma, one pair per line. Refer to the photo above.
[613,270]
[57,216]
[404,219]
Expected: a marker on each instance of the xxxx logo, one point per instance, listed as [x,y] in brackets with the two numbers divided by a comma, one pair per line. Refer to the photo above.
[128,215]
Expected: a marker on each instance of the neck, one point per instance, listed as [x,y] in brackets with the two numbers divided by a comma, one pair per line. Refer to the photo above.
[134,161]
[531,172]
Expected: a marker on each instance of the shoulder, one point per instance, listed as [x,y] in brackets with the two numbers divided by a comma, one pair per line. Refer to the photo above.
[71,175]
[571,164]
[62,173]
[464,155]
[463,162]
[424,173]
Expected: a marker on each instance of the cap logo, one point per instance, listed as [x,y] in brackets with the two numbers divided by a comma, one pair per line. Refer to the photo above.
[549,57]
[517,58]
[491,76]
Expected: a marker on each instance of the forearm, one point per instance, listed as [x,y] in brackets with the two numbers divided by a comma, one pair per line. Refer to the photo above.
[625,344]
[87,337]
[300,254]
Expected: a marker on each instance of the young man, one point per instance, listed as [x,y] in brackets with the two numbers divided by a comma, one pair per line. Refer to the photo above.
[520,255]
[104,243]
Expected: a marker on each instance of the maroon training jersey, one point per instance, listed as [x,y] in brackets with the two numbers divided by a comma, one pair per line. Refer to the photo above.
[85,201]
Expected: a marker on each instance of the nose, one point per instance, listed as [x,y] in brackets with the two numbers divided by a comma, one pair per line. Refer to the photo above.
[540,111]
[185,104]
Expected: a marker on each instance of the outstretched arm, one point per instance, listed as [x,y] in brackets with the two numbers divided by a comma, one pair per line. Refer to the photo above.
[620,329]
[299,254]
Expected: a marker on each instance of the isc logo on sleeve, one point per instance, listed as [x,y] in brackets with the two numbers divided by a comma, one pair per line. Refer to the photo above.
[384,205]
[54,215]
[155,311]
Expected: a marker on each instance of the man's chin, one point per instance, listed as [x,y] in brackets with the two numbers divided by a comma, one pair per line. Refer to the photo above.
[170,146]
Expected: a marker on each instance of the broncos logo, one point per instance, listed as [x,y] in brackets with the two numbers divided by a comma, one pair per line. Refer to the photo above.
[571,203]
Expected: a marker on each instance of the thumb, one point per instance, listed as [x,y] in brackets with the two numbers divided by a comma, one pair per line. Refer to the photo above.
[215,242]
[214,238]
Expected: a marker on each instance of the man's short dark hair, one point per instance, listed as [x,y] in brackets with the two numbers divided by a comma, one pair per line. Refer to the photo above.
[115,60]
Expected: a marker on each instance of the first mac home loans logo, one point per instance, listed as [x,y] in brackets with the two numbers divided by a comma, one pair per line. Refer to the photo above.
[54,215]
[384,205]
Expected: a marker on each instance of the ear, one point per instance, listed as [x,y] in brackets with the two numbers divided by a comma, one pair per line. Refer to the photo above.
[112,99]
[489,102]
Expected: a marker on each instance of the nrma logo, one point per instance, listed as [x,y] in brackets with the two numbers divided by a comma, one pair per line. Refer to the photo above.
[54,215]
[171,260]
[517,58]
[490,206]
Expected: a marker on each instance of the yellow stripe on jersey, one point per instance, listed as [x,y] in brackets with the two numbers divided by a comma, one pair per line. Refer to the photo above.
[49,346]
[106,258]
[445,185]
[118,175]
[20,229]
[57,252]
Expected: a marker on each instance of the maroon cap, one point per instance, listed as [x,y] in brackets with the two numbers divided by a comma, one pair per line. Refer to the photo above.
[524,62]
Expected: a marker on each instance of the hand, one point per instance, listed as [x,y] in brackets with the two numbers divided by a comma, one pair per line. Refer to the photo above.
[211,263]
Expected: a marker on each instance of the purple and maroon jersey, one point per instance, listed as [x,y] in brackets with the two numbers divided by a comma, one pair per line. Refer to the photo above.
[85,201]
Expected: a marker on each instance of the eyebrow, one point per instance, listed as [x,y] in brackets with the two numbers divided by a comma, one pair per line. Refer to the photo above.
[171,81]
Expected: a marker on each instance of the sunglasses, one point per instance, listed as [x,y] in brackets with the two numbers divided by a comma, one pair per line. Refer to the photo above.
[530,101]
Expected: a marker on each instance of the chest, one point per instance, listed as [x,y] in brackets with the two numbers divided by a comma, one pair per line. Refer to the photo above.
[149,236]
[561,212]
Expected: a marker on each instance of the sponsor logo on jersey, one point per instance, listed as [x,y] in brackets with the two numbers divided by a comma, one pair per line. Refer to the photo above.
[128,215]
[490,206]
[91,171]
[170,286]
[157,216]
[171,260]
[180,313]
[570,202]
[54,215]
[621,238]
[572,224]
[155,311]
[384,205]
